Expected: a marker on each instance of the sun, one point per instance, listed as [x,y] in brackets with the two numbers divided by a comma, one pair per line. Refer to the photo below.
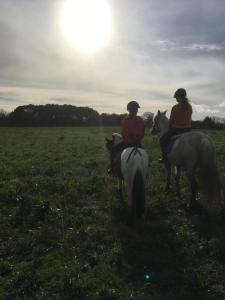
[87,23]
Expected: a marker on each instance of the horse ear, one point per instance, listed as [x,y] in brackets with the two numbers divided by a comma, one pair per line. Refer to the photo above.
[158,112]
[164,113]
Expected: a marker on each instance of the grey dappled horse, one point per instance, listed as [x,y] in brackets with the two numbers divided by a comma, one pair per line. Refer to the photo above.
[133,172]
[194,152]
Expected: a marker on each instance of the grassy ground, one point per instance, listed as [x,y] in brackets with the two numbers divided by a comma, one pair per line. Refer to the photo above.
[63,232]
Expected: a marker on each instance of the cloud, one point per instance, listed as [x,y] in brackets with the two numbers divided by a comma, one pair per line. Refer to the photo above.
[205,47]
[201,111]
[206,109]
[166,45]
[222,104]
[157,47]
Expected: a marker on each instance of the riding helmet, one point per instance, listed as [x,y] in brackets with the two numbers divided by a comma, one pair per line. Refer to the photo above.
[180,93]
[132,105]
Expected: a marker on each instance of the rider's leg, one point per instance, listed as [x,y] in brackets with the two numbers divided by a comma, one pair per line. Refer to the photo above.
[115,158]
[164,139]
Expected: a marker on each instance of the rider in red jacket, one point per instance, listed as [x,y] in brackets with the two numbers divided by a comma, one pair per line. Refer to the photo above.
[133,131]
[132,126]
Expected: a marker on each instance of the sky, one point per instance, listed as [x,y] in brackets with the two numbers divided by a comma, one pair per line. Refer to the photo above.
[154,48]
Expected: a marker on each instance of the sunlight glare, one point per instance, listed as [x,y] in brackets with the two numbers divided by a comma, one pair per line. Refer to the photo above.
[87,23]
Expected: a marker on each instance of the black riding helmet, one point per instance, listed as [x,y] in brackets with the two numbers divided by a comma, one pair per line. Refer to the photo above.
[180,93]
[132,105]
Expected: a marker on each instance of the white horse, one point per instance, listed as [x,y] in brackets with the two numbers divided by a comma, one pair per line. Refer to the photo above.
[194,152]
[133,173]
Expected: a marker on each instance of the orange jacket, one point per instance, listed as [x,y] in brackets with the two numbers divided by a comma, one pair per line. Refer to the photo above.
[132,128]
[180,117]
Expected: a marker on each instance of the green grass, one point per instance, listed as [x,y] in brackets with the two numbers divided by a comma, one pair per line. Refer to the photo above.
[64,232]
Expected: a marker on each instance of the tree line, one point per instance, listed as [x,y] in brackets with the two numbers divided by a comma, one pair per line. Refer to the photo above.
[69,115]
[57,115]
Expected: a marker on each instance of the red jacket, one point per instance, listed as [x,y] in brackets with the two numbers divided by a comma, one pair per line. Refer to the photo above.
[132,128]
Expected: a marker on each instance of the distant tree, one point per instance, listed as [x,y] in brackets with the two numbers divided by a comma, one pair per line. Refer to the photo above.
[4,118]
[148,119]
[54,115]
[69,115]
[208,123]
[197,124]
[111,119]
[219,122]
[22,116]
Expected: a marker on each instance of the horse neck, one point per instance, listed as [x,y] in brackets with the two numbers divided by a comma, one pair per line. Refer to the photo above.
[164,125]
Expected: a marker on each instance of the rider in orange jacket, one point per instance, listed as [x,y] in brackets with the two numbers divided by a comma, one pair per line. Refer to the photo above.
[180,120]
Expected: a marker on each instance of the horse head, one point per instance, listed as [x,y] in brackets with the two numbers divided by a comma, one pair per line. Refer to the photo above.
[160,123]
[110,143]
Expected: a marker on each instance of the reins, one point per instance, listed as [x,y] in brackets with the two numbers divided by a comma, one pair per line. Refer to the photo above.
[135,150]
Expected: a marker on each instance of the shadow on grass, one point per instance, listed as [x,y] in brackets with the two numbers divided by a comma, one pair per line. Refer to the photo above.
[212,228]
[153,261]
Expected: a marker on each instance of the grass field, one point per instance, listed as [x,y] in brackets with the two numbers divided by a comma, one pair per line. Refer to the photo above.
[63,232]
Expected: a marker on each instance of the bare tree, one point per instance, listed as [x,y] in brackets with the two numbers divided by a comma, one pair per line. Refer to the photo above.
[4,118]
[148,119]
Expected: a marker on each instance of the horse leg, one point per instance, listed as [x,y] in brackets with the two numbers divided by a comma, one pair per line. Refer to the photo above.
[168,176]
[193,205]
[120,188]
[177,179]
[194,186]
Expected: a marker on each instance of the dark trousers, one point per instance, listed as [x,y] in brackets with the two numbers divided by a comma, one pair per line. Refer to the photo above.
[167,136]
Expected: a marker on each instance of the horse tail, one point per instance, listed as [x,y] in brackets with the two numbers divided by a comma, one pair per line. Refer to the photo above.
[209,176]
[138,194]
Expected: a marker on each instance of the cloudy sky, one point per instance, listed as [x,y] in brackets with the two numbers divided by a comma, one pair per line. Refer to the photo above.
[154,47]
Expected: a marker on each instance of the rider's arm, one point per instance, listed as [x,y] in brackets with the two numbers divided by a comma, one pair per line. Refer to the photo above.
[141,129]
[125,132]
[172,117]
